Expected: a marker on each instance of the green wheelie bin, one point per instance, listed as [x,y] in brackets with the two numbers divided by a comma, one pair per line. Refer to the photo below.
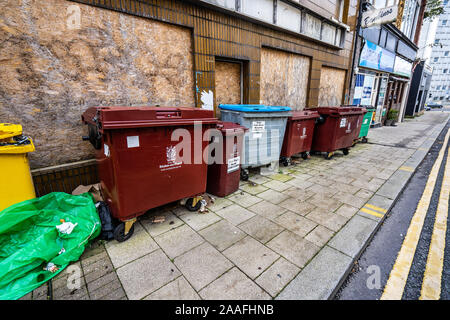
[366,121]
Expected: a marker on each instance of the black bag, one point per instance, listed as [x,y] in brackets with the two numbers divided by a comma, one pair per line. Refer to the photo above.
[107,232]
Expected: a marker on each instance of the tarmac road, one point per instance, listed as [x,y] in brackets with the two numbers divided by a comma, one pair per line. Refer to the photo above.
[389,255]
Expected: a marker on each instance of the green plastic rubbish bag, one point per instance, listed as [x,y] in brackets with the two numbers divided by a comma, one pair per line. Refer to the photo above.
[29,239]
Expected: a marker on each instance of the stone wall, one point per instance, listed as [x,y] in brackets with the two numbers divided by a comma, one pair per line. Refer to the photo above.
[58,58]
[284,79]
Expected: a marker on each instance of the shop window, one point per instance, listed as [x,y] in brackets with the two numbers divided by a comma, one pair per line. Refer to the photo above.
[391,42]
[383,36]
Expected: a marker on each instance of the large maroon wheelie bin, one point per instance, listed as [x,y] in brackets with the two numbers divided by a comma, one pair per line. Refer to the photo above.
[298,135]
[139,165]
[224,174]
[336,129]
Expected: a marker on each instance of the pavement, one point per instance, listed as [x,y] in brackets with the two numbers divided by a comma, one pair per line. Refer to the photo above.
[381,258]
[292,235]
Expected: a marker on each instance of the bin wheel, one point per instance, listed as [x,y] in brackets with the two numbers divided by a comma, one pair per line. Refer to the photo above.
[305,155]
[119,232]
[244,175]
[364,140]
[190,207]
[329,155]
[286,161]
[345,151]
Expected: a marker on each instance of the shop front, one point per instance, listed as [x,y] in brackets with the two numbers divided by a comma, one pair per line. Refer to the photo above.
[375,66]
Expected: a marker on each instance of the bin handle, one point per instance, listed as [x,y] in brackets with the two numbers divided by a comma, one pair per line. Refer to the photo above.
[168,114]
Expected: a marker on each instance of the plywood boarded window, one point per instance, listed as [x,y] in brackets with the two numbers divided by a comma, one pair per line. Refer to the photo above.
[284,78]
[52,73]
[228,82]
[331,88]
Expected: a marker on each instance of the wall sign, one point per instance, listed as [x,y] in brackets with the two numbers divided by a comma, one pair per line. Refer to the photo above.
[375,57]
[378,17]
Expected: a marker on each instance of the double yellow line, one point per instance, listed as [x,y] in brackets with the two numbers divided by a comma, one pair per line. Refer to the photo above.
[431,286]
[373,210]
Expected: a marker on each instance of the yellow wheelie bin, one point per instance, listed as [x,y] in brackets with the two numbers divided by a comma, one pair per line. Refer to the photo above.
[16,183]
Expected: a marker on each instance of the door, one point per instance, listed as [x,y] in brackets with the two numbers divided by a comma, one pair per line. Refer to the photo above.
[228,82]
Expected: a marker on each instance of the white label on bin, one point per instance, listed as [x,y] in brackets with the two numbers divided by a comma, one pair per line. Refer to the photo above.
[258,126]
[106,150]
[343,122]
[365,121]
[233,164]
[133,141]
[303,136]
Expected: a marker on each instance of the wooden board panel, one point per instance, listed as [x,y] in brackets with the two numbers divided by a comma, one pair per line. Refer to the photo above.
[51,71]
[228,82]
[284,78]
[331,88]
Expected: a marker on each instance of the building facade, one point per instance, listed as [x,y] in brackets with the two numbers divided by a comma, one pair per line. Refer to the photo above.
[60,57]
[421,80]
[440,60]
[385,59]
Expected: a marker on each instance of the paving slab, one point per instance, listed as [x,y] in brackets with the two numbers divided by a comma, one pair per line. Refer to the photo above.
[319,236]
[202,265]
[197,220]
[235,214]
[319,278]
[293,247]
[295,223]
[260,228]
[330,220]
[272,196]
[178,241]
[155,229]
[222,234]
[352,237]
[219,204]
[252,188]
[137,246]
[244,199]
[234,285]
[277,185]
[141,277]
[394,185]
[299,207]
[250,256]
[277,276]
[347,211]
[179,289]
[267,210]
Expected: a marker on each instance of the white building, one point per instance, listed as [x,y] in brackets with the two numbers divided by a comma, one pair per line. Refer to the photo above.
[440,59]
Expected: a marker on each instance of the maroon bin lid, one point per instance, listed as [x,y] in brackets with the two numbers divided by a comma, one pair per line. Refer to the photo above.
[137,117]
[304,115]
[340,111]
[231,128]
